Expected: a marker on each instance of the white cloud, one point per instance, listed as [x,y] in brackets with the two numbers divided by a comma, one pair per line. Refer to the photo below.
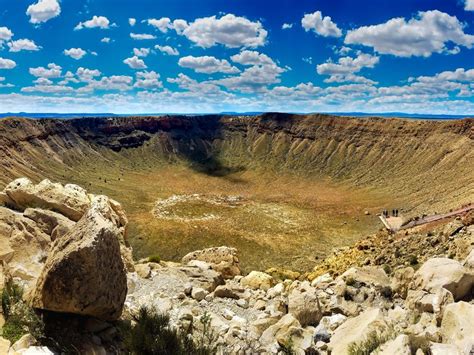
[308,60]
[75,53]
[207,65]
[135,63]
[7,63]
[141,52]
[428,33]
[5,34]
[287,26]
[346,67]
[43,11]
[86,75]
[106,40]
[179,26]
[229,30]
[114,82]
[53,71]
[132,21]
[469,5]
[247,57]
[167,50]
[96,22]
[148,80]
[163,24]
[320,25]
[141,36]
[23,45]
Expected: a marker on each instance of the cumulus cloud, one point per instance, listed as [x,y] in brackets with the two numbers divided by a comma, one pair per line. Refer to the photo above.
[135,63]
[95,22]
[247,57]
[23,45]
[86,75]
[75,53]
[132,21]
[148,80]
[52,71]
[7,63]
[323,26]
[167,50]
[207,65]
[469,5]
[106,40]
[5,34]
[43,11]
[180,25]
[346,67]
[163,24]
[229,30]
[141,52]
[114,82]
[142,36]
[287,26]
[429,32]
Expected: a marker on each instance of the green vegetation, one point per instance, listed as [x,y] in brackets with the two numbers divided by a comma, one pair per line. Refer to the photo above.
[152,334]
[286,347]
[372,342]
[413,260]
[154,258]
[20,319]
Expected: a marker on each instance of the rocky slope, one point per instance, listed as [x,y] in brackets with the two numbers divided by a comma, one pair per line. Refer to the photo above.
[68,248]
[427,161]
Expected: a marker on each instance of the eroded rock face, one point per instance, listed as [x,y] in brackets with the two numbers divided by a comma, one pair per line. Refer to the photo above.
[457,326]
[70,200]
[84,272]
[445,273]
[222,259]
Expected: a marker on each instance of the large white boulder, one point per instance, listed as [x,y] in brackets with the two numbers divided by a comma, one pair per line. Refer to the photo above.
[257,280]
[222,259]
[356,330]
[445,273]
[457,326]
[303,304]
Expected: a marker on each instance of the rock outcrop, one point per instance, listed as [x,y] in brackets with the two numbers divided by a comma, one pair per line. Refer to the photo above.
[84,272]
[222,259]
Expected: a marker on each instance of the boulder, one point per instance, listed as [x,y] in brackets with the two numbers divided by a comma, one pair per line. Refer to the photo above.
[401,281]
[70,200]
[367,275]
[429,302]
[303,304]
[23,343]
[279,329]
[23,245]
[356,330]
[84,273]
[228,291]
[445,273]
[444,349]
[398,346]
[457,326]
[469,261]
[257,280]
[4,345]
[52,223]
[222,259]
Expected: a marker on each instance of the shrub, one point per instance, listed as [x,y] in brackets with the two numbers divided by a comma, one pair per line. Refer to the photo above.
[387,292]
[350,281]
[154,259]
[20,319]
[387,269]
[371,343]
[286,347]
[412,259]
[417,342]
[152,334]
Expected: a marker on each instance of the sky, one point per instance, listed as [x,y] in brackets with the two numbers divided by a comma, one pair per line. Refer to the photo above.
[210,56]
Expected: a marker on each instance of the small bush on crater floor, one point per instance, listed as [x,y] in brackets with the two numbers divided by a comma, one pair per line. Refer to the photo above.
[152,334]
[20,319]
[372,342]
[154,259]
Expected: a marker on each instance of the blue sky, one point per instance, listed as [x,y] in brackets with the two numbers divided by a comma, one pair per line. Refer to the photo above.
[155,56]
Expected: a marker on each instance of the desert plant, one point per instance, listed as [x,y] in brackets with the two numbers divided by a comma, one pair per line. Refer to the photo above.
[286,347]
[372,342]
[152,334]
[387,292]
[154,258]
[412,259]
[20,319]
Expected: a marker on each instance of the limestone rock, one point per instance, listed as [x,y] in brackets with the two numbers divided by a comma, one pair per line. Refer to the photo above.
[398,346]
[367,275]
[457,326]
[70,200]
[401,280]
[429,302]
[4,345]
[443,272]
[84,273]
[444,349]
[304,305]
[228,291]
[50,222]
[222,259]
[469,261]
[356,329]
[23,343]
[258,280]
[279,328]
